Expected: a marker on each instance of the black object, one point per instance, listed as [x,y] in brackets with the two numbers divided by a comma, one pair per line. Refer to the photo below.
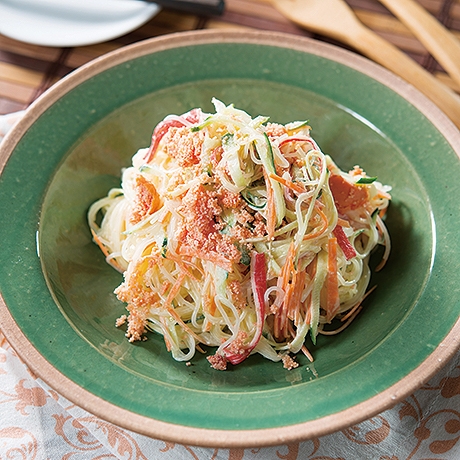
[205,7]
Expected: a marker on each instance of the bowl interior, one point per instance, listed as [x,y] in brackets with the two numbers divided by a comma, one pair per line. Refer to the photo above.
[77,149]
[82,283]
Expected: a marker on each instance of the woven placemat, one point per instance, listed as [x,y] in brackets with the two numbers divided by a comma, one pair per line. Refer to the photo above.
[27,70]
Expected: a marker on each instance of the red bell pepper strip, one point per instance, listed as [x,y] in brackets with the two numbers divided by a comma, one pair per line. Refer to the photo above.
[344,243]
[163,127]
[259,286]
[158,133]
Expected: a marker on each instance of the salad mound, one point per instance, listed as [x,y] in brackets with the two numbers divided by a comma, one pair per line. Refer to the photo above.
[238,233]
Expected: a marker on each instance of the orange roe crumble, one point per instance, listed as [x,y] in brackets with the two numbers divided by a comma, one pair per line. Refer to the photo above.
[228,199]
[183,145]
[238,296]
[218,362]
[289,363]
[121,320]
[136,325]
[200,234]
[237,346]
[275,130]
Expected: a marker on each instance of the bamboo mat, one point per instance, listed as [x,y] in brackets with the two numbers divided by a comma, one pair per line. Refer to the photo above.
[26,70]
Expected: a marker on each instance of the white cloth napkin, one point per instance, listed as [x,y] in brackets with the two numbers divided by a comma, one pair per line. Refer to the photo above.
[7,122]
[37,423]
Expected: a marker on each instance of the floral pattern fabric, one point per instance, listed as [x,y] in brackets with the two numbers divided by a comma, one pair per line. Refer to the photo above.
[36,423]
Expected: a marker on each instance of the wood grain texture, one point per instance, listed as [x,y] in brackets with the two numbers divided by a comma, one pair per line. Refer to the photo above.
[27,70]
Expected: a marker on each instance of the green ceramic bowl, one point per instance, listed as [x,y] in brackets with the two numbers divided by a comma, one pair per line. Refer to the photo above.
[59,309]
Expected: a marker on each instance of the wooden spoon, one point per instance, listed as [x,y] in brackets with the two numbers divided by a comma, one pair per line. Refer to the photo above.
[438,40]
[334,18]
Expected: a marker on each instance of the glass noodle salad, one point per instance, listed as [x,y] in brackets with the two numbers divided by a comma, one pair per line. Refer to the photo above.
[241,234]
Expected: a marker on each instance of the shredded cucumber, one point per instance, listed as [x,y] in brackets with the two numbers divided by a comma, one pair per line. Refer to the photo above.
[321,271]
[264,149]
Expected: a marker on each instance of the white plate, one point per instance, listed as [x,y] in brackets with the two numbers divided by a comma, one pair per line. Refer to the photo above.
[72,22]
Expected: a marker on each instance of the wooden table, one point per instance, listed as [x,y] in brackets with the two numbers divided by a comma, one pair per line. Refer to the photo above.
[26,70]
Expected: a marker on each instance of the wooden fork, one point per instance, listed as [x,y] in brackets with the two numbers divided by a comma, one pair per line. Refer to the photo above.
[436,38]
[334,18]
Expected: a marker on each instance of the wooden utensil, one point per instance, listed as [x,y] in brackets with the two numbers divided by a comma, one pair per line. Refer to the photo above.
[334,18]
[436,38]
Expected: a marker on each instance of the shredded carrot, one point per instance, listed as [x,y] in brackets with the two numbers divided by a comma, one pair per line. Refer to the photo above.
[355,307]
[344,326]
[101,245]
[288,266]
[182,262]
[318,231]
[304,349]
[298,282]
[350,312]
[283,313]
[307,353]
[174,290]
[332,284]
[291,283]
[164,287]
[308,310]
[106,252]
[168,302]
[287,183]
[288,298]
[343,223]
[209,304]
[200,349]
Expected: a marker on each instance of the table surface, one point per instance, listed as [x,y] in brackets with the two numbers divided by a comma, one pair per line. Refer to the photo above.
[26,71]
[425,425]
